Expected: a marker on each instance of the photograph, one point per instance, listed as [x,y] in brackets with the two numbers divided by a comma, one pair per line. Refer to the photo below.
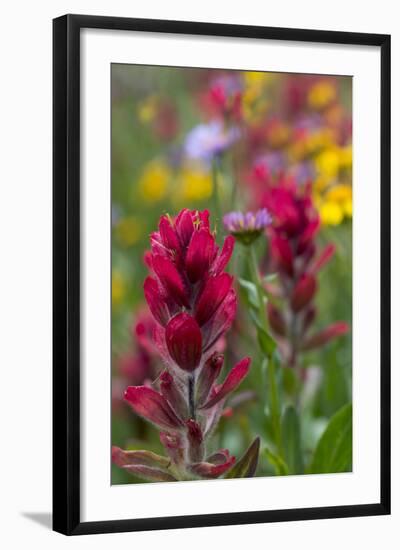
[231,274]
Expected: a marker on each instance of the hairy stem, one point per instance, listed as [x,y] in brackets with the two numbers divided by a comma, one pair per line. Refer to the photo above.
[192,410]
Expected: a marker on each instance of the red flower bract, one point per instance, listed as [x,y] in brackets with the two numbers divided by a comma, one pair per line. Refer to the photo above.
[171,280]
[293,249]
[183,339]
[152,406]
[200,253]
[214,293]
[303,292]
[232,381]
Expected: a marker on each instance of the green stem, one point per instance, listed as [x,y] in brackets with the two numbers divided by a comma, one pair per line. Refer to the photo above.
[273,393]
[273,398]
[260,291]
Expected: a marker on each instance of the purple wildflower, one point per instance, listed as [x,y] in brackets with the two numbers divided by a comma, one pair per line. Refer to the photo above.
[247,227]
[309,122]
[207,141]
[271,164]
[302,173]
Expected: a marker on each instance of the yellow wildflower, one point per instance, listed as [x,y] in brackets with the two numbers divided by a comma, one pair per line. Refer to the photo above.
[254,108]
[321,94]
[147,109]
[128,231]
[279,135]
[331,213]
[336,204]
[339,193]
[320,183]
[310,144]
[255,79]
[346,156]
[118,288]
[154,180]
[348,208]
[319,140]
[327,163]
[254,101]
[193,184]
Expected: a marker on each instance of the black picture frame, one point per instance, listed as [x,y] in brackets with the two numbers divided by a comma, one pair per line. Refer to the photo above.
[66,273]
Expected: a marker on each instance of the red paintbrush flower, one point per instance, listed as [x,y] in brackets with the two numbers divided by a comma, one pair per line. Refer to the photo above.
[193,304]
[293,255]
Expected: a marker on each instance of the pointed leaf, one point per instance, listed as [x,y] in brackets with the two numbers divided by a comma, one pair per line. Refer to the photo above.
[247,465]
[208,470]
[277,462]
[291,437]
[334,449]
[149,474]
[134,458]
[265,341]
[250,291]
[270,278]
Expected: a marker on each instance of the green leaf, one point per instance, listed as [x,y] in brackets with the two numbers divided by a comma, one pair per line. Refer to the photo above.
[250,290]
[334,448]
[270,277]
[247,465]
[291,438]
[290,381]
[265,341]
[277,462]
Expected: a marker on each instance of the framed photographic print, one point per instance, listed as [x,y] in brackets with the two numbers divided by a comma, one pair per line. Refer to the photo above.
[221,274]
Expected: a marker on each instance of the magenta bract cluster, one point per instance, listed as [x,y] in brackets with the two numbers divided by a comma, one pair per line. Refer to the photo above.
[294,256]
[193,303]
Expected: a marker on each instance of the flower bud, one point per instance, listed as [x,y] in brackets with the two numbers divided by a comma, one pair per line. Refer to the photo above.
[276,320]
[308,318]
[249,226]
[326,335]
[281,251]
[208,375]
[324,257]
[184,341]
[303,292]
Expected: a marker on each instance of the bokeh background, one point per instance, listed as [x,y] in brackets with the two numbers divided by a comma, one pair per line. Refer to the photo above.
[297,123]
